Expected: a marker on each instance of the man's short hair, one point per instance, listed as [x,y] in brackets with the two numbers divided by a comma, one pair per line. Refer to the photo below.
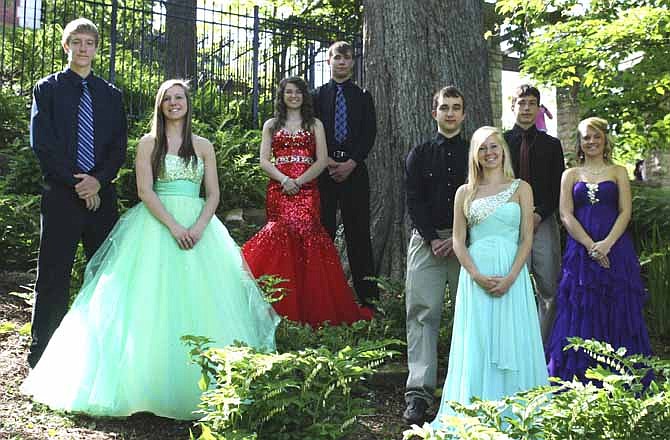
[341,47]
[525,90]
[80,26]
[447,92]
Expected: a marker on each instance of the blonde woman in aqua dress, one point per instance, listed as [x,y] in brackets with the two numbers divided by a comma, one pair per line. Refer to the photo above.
[169,268]
[496,347]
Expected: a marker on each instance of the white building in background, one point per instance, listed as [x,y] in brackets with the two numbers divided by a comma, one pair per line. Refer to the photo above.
[29,13]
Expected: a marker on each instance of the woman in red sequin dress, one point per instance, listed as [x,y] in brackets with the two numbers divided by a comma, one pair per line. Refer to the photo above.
[293,244]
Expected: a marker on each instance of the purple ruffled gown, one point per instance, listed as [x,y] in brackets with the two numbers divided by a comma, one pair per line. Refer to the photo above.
[593,302]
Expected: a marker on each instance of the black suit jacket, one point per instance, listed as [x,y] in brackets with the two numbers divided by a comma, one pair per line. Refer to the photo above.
[361,118]
[53,127]
[546,166]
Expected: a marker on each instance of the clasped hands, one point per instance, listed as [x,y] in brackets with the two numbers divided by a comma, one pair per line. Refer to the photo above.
[290,186]
[599,251]
[494,285]
[339,171]
[442,247]
[87,190]
[186,238]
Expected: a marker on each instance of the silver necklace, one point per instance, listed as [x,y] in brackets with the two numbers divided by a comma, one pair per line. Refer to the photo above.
[596,172]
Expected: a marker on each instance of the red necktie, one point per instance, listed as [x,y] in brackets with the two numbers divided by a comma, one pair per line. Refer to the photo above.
[524,161]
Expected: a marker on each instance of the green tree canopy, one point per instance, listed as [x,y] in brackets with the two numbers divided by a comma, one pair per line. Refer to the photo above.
[616,53]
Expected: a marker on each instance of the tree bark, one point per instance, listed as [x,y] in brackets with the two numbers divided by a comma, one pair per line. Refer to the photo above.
[412,49]
[180,34]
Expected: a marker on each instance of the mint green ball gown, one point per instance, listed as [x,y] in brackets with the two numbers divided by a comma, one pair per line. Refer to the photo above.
[117,351]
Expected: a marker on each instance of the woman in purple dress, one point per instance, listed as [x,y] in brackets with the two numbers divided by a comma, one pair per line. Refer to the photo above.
[600,295]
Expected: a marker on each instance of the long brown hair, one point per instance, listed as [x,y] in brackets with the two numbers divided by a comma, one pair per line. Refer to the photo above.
[186,150]
[306,109]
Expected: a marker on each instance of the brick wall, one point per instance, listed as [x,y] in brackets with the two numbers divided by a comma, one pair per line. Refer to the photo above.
[8,12]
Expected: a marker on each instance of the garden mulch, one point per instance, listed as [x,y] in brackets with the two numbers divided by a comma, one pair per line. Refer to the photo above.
[22,419]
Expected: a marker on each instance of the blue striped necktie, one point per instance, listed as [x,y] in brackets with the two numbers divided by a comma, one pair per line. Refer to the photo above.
[340,115]
[85,148]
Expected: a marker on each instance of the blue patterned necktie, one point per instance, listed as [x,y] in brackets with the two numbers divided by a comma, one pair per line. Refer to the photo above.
[340,115]
[85,149]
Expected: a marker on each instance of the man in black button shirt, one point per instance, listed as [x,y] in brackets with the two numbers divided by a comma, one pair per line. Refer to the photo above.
[79,134]
[538,159]
[348,116]
[433,172]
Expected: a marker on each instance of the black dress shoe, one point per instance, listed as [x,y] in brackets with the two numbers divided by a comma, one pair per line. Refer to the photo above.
[415,413]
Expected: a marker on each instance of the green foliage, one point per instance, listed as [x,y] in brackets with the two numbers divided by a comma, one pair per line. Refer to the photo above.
[271,287]
[622,408]
[13,123]
[19,231]
[650,223]
[613,53]
[309,394]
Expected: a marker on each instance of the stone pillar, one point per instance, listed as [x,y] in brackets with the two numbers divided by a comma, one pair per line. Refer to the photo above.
[567,115]
[657,168]
[495,80]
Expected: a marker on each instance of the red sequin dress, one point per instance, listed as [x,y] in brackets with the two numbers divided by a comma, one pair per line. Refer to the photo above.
[295,246]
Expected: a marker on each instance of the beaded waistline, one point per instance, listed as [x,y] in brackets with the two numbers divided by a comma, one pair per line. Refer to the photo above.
[294,159]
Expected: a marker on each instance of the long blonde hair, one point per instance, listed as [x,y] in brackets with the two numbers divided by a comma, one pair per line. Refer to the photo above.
[598,124]
[475,169]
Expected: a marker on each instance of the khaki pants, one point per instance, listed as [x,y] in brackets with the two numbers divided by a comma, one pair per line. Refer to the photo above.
[545,264]
[427,276]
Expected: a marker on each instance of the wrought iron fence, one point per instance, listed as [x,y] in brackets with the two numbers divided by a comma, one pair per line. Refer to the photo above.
[237,59]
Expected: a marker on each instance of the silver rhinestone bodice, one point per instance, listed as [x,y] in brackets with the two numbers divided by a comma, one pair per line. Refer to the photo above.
[293,159]
[483,207]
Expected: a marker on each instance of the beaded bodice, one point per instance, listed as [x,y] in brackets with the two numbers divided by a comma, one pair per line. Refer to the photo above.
[300,143]
[483,207]
[495,217]
[293,152]
[177,169]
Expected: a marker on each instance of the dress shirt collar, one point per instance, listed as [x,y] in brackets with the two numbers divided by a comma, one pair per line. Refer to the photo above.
[441,139]
[344,84]
[76,80]
[520,131]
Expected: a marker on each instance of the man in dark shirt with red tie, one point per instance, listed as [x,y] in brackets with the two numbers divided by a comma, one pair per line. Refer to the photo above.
[433,172]
[79,134]
[537,158]
[348,116]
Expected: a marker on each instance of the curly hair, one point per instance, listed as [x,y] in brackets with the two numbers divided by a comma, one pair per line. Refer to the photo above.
[306,109]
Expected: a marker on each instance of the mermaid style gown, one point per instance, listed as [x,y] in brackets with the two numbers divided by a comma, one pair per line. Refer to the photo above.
[496,346]
[117,351]
[296,247]
[593,302]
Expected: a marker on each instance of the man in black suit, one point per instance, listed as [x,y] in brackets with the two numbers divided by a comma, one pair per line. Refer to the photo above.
[348,116]
[537,158]
[78,131]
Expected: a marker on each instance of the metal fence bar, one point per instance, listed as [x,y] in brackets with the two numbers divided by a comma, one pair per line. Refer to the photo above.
[254,74]
[239,54]
[112,41]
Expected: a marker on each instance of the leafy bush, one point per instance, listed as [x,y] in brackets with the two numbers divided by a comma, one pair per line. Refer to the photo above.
[622,408]
[13,121]
[313,393]
[20,231]
[650,223]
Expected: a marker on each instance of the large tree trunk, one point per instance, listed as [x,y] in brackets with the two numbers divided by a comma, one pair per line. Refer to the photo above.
[412,49]
[181,39]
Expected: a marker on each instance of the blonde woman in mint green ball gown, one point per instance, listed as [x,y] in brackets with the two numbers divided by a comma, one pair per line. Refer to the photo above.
[168,268]
[496,346]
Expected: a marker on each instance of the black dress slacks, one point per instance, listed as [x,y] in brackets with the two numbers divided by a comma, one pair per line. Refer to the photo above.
[352,197]
[64,222]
